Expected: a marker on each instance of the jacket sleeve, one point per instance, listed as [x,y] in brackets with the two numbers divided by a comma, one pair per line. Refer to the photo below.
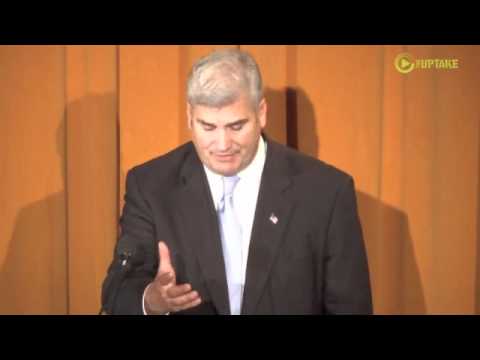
[137,232]
[347,282]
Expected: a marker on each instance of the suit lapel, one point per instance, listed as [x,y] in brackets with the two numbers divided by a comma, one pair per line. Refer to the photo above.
[201,228]
[274,208]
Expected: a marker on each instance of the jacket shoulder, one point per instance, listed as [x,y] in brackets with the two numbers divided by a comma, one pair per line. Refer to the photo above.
[301,164]
[163,167]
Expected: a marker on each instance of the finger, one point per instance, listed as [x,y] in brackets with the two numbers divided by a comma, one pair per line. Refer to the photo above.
[165,264]
[189,305]
[184,299]
[178,290]
[165,279]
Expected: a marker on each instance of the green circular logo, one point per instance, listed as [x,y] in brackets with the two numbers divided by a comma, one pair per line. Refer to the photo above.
[404,63]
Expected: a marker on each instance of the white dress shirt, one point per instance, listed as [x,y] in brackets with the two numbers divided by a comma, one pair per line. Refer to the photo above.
[245,198]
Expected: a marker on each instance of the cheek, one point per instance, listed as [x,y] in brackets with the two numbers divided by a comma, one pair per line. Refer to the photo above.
[202,140]
[248,140]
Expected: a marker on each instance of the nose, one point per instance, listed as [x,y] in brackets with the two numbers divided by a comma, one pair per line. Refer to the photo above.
[223,141]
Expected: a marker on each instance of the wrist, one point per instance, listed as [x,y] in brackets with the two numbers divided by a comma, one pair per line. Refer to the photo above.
[148,309]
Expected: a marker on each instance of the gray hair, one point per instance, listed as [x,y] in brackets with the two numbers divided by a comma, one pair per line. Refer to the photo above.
[220,78]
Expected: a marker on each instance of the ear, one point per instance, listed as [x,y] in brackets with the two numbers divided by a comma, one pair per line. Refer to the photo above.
[189,115]
[262,113]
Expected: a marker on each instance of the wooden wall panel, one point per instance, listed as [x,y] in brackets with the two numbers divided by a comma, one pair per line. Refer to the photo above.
[455,185]
[339,101]
[272,60]
[75,119]
[153,101]
[33,275]
[405,139]
[92,171]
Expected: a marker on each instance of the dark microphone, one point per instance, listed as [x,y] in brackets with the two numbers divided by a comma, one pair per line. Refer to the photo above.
[127,255]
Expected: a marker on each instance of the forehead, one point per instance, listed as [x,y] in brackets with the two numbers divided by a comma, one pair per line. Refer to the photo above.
[240,109]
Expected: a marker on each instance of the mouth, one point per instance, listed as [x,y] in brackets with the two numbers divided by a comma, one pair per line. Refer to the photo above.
[225,157]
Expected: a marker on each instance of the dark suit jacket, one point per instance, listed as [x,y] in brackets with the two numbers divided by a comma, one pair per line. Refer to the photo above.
[312,261]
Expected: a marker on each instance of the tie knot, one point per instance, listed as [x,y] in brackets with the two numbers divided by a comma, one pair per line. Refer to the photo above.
[229,183]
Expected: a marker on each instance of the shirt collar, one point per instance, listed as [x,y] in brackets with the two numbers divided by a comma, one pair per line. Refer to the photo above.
[252,172]
[254,169]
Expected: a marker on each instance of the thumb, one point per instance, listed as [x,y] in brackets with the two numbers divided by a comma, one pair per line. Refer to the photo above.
[165,264]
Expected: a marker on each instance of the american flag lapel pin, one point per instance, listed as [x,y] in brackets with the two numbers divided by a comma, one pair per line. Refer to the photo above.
[273,218]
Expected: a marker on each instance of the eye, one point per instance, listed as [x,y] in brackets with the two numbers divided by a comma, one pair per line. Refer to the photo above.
[208,127]
[237,127]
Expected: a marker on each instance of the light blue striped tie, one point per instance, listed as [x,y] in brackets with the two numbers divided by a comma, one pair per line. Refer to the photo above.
[231,232]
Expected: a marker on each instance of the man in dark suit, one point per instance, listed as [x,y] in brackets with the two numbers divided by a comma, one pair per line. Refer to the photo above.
[234,223]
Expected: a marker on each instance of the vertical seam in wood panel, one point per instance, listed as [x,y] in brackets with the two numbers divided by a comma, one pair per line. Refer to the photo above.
[404,138]
[65,144]
[477,282]
[434,166]
[380,121]
[404,236]
[86,51]
[477,292]
[183,56]
[118,147]
[291,98]
[379,210]
[380,124]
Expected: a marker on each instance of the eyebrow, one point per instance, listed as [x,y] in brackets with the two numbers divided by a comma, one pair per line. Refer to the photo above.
[236,122]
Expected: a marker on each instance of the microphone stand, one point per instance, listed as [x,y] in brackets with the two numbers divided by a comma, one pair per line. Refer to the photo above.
[116,282]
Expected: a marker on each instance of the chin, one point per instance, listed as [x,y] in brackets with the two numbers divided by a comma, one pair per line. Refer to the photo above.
[225,170]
